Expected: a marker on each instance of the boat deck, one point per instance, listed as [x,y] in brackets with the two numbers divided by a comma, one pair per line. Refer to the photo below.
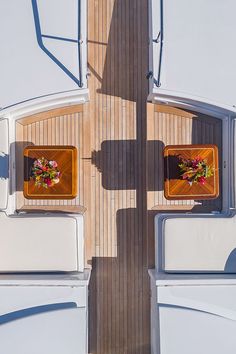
[172,126]
[120,140]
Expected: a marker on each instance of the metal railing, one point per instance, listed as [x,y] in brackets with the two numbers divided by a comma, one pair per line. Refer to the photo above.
[159,40]
[40,37]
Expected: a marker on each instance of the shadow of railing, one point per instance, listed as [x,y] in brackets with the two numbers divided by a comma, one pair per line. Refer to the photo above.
[208,130]
[122,166]
[17,150]
[119,296]
[126,63]
[4,166]
[40,37]
[32,311]
[230,264]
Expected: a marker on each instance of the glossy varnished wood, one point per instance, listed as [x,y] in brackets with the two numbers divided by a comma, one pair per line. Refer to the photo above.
[66,158]
[175,188]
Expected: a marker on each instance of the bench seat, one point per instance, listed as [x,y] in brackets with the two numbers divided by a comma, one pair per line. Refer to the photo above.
[197,244]
[41,243]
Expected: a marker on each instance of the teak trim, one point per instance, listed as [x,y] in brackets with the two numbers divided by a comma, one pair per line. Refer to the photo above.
[51,114]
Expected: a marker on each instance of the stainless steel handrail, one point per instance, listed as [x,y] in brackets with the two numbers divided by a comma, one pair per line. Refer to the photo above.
[40,36]
[159,40]
[79,44]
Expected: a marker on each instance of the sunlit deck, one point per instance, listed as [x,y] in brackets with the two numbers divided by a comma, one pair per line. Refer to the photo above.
[120,139]
[170,126]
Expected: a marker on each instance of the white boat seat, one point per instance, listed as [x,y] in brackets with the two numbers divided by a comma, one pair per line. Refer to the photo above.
[199,244]
[41,243]
[4,162]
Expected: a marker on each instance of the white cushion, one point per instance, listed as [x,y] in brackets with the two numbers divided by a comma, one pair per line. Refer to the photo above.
[200,244]
[29,244]
[4,158]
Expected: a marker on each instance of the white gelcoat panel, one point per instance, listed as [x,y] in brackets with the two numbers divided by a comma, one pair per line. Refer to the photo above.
[185,331]
[26,71]
[59,332]
[198,56]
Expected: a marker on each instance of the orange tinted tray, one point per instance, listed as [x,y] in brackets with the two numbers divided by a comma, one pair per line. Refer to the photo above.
[175,188]
[66,158]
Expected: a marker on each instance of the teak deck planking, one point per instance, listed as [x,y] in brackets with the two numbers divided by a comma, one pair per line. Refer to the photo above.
[119,139]
[171,126]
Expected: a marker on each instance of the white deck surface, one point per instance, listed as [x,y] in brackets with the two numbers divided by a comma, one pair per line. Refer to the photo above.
[26,71]
[65,279]
[199,53]
[167,279]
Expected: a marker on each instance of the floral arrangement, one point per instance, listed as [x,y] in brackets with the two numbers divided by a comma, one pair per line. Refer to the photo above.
[195,171]
[45,173]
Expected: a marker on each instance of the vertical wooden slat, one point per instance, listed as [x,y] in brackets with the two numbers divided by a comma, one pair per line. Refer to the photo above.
[176,126]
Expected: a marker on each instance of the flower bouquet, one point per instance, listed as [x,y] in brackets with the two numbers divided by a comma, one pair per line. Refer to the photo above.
[195,171]
[45,173]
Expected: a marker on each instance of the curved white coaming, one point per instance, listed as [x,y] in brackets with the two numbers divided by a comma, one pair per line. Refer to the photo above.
[44,103]
[209,299]
[227,115]
[191,102]
[31,107]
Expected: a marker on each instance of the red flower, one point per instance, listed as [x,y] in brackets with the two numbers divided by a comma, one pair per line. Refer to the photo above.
[48,181]
[202,180]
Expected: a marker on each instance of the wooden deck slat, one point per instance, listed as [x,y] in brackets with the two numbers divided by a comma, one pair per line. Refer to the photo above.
[48,132]
[175,126]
